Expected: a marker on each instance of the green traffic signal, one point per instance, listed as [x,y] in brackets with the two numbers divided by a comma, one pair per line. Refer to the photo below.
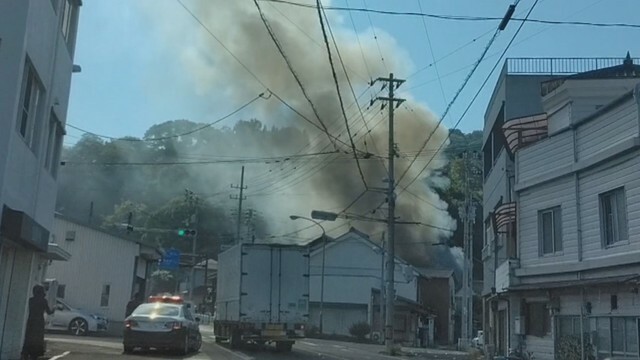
[186,232]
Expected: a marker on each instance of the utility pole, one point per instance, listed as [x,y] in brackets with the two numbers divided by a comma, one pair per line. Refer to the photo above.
[192,200]
[382,255]
[240,198]
[392,102]
[467,214]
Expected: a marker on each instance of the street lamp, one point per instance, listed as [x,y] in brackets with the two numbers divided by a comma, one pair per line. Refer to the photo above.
[324,216]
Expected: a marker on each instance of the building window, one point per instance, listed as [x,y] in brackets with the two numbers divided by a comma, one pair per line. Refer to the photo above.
[70,235]
[550,230]
[60,291]
[537,319]
[31,103]
[104,297]
[617,337]
[613,217]
[69,22]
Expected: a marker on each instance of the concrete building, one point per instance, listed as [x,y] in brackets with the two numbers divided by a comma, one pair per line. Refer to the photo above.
[352,283]
[104,271]
[562,243]
[37,40]
[436,293]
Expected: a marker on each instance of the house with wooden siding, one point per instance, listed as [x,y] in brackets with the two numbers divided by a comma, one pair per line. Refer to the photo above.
[353,276]
[104,271]
[568,220]
[437,293]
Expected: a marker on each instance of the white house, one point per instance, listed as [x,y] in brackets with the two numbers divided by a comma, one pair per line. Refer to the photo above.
[104,271]
[352,283]
[569,220]
[37,40]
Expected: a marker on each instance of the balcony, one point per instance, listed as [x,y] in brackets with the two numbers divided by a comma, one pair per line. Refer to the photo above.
[560,66]
[505,276]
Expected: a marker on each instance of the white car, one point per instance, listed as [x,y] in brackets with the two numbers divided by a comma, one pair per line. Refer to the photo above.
[75,321]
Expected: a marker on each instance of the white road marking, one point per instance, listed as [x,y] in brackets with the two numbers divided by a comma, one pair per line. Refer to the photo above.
[308,343]
[240,355]
[61,355]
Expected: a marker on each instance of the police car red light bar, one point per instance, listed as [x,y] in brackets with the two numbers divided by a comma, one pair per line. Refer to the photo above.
[169,299]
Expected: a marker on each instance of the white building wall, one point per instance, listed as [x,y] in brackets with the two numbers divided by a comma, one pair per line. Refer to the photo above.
[560,192]
[97,258]
[607,130]
[28,29]
[545,156]
[352,270]
[622,172]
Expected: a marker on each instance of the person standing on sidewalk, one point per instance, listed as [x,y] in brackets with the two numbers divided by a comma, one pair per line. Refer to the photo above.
[34,337]
[133,304]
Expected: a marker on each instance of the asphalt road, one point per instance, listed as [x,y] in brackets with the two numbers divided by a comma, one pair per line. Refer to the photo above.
[64,347]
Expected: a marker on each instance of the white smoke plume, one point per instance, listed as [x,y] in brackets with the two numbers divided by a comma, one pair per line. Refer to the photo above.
[237,24]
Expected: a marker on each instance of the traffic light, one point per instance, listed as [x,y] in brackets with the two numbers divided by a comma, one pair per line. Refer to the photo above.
[186,232]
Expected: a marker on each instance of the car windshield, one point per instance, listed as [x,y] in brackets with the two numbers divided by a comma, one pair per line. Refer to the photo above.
[157,309]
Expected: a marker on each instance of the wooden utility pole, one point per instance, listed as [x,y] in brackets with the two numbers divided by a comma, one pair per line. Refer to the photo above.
[240,198]
[467,213]
[392,102]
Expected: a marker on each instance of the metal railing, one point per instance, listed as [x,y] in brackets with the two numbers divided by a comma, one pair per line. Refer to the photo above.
[561,66]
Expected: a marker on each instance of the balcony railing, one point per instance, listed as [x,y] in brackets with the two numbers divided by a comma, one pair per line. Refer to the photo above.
[561,66]
[505,276]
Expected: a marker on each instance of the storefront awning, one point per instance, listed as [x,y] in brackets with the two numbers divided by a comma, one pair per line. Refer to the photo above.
[55,252]
[622,279]
[504,215]
[521,132]
[19,227]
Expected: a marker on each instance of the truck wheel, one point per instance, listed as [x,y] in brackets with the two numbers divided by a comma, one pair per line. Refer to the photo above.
[284,346]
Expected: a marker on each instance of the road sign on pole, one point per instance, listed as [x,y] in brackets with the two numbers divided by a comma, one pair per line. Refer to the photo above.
[170,260]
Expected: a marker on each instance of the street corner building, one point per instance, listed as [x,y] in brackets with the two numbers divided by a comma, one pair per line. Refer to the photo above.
[562,209]
[348,292]
[105,270]
[37,40]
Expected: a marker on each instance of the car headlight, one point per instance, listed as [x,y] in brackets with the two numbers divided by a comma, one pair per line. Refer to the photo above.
[95,317]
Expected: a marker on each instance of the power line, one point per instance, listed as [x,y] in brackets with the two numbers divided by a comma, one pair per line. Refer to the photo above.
[355,31]
[304,176]
[433,56]
[275,40]
[484,83]
[240,61]
[335,44]
[335,80]
[208,125]
[375,36]
[453,100]
[203,162]
[222,44]
[458,17]
[305,33]
[353,202]
[307,174]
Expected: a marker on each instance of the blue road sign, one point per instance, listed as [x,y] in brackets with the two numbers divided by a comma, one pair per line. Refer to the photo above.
[171,259]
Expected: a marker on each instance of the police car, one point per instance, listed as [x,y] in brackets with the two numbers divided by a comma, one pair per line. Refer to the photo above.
[165,322]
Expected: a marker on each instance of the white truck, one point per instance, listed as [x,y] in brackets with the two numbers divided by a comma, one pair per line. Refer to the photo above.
[262,295]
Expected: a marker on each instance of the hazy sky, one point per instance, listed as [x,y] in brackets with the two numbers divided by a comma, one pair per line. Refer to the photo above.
[132,77]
